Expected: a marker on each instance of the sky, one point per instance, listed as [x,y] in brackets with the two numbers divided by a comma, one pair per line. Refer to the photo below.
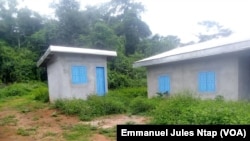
[179,17]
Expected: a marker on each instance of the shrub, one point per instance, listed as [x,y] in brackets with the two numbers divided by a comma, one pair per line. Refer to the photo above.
[105,105]
[20,89]
[41,94]
[141,105]
[189,110]
[129,92]
[16,89]
[93,107]
[70,107]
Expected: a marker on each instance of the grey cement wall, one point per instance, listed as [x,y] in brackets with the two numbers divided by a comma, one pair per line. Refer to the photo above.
[59,75]
[184,76]
[244,78]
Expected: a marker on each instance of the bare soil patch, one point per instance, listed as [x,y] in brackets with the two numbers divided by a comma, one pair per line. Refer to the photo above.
[48,125]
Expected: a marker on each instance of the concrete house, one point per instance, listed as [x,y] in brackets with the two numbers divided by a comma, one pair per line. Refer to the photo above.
[217,67]
[75,72]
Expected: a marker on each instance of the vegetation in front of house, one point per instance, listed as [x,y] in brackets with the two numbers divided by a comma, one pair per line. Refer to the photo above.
[185,109]
[181,108]
[115,102]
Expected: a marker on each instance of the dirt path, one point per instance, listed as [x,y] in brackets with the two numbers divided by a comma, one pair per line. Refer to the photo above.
[48,125]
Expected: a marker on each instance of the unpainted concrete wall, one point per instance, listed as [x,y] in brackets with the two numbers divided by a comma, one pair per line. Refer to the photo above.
[244,78]
[184,76]
[59,75]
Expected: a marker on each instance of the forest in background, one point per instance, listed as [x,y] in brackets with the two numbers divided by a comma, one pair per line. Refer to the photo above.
[116,25]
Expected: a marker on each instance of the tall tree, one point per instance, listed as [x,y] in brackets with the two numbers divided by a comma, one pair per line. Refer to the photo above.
[8,25]
[157,44]
[126,20]
[71,23]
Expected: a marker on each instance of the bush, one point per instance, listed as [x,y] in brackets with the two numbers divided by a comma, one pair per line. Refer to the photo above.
[16,89]
[20,89]
[189,110]
[105,105]
[93,107]
[141,105]
[70,107]
[174,109]
[41,94]
[128,92]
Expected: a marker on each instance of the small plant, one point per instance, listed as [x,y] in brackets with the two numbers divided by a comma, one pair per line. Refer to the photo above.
[22,132]
[25,110]
[141,105]
[219,98]
[110,132]
[49,134]
[35,118]
[78,132]
[8,120]
[26,132]
[130,123]
[54,114]
[41,94]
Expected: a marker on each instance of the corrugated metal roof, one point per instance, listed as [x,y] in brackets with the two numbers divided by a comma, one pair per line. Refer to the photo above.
[213,47]
[62,49]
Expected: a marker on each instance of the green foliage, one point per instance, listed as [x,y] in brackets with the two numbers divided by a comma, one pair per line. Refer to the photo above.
[121,73]
[185,109]
[78,132]
[141,105]
[115,102]
[16,64]
[130,93]
[115,25]
[93,107]
[34,90]
[26,132]
[16,89]
[71,107]
[105,105]
[41,94]
[8,120]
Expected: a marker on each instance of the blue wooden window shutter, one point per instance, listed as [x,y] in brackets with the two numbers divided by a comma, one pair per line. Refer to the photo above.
[164,84]
[202,82]
[79,74]
[211,81]
[206,82]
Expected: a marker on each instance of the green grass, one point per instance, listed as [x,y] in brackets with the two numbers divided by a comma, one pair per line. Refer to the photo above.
[8,120]
[181,108]
[26,132]
[23,104]
[24,97]
[185,109]
[49,134]
[176,109]
[78,132]
[109,132]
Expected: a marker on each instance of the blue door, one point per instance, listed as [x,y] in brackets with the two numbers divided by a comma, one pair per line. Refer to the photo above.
[100,81]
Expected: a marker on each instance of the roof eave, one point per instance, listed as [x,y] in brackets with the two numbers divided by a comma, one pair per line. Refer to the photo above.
[51,50]
[41,61]
[193,55]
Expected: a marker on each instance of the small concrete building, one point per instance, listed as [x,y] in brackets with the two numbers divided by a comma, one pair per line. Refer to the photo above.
[219,67]
[75,72]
